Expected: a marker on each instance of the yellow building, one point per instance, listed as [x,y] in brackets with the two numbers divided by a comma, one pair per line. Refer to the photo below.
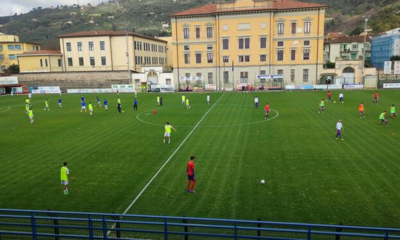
[40,61]
[10,47]
[232,43]
[110,50]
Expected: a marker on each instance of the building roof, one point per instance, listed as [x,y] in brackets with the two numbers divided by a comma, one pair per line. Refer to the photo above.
[276,5]
[42,52]
[106,33]
[348,39]
[1,42]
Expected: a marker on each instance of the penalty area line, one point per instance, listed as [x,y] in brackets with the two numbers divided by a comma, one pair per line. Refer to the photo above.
[166,162]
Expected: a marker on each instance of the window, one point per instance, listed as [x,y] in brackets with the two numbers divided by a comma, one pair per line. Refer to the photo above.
[90,46]
[81,63]
[10,47]
[263,72]
[186,58]
[186,34]
[209,32]
[244,58]
[59,62]
[210,78]
[210,58]
[102,45]
[280,55]
[1,56]
[225,43]
[79,46]
[68,47]
[306,54]
[92,63]
[226,77]
[45,61]
[306,42]
[17,47]
[292,74]
[244,43]
[294,27]
[293,55]
[209,47]
[263,58]
[225,59]
[280,44]
[41,62]
[263,42]
[135,44]
[103,61]
[197,32]
[244,77]
[11,56]
[1,47]
[198,57]
[307,27]
[199,77]
[280,72]
[70,63]
[305,75]
[168,81]
[355,47]
[281,28]
[186,47]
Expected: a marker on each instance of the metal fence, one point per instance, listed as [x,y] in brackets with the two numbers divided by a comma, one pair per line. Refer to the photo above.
[46,225]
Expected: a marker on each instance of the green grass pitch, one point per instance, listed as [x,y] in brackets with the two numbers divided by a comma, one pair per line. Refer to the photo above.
[310,177]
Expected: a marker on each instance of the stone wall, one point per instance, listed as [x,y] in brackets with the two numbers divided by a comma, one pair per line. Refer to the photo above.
[103,79]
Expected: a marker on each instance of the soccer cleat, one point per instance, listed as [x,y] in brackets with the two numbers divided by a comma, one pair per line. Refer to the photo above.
[342,139]
[193,191]
[336,138]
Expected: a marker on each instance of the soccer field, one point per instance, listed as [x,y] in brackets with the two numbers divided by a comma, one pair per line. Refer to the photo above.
[119,163]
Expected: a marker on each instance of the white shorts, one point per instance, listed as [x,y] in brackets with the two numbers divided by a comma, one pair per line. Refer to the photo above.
[106,106]
[83,107]
[64,183]
[91,110]
[183,101]
[31,117]
[167,134]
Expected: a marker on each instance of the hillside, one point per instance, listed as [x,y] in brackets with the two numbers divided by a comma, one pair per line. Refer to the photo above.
[148,16]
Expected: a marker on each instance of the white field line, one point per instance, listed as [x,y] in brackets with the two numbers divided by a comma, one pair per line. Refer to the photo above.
[166,162]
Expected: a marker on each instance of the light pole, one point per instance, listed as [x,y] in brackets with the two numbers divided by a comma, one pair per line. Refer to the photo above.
[365,46]
[129,60]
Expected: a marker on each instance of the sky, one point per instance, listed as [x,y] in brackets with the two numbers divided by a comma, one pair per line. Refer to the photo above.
[10,7]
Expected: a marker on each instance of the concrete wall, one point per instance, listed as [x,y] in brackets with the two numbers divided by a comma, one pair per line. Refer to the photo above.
[74,79]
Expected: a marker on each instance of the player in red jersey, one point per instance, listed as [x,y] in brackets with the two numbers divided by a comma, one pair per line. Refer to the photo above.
[376,97]
[191,175]
[329,96]
[267,111]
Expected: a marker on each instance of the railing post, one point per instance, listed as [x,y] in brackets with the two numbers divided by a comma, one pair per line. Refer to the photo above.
[338,236]
[387,235]
[309,233]
[235,230]
[165,229]
[55,223]
[90,227]
[185,228]
[33,225]
[105,227]
[259,231]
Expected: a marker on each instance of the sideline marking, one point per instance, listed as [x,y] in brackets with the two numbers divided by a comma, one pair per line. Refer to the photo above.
[166,162]
[212,126]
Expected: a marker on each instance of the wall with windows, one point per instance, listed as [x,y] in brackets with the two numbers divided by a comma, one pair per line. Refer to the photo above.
[40,63]
[10,50]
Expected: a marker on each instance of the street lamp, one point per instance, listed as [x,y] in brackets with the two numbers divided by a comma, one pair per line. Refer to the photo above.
[366,18]
[127,56]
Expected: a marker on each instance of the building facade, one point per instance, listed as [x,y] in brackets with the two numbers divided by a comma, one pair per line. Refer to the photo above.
[346,48]
[40,61]
[231,43]
[111,51]
[384,47]
[10,47]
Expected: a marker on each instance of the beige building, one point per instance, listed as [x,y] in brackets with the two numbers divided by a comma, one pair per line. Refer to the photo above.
[111,51]
[247,41]
[40,61]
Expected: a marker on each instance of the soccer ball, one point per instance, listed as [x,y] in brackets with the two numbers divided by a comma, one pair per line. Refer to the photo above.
[262,181]
[334,101]
[123,111]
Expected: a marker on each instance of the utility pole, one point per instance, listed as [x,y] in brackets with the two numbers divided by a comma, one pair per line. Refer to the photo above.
[127,55]
[365,46]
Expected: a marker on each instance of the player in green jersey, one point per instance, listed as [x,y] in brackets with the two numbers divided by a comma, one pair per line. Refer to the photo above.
[90,108]
[168,129]
[46,103]
[65,178]
[383,119]
[30,114]
[392,111]
[321,106]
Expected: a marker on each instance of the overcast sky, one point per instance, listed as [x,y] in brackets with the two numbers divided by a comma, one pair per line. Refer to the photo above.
[10,7]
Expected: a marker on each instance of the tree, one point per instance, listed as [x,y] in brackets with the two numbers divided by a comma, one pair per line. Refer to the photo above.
[395,58]
[14,68]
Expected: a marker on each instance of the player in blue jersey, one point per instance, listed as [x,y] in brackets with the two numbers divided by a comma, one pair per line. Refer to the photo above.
[60,102]
[82,99]
[98,101]
[83,106]
[135,104]
[105,102]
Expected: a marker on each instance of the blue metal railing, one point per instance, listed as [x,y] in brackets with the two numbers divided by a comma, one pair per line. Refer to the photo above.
[38,225]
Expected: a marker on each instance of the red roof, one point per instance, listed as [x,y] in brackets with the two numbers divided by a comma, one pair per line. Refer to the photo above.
[42,52]
[277,5]
[106,33]
[349,39]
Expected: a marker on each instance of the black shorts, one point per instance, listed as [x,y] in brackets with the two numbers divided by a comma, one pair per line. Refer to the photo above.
[191,177]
